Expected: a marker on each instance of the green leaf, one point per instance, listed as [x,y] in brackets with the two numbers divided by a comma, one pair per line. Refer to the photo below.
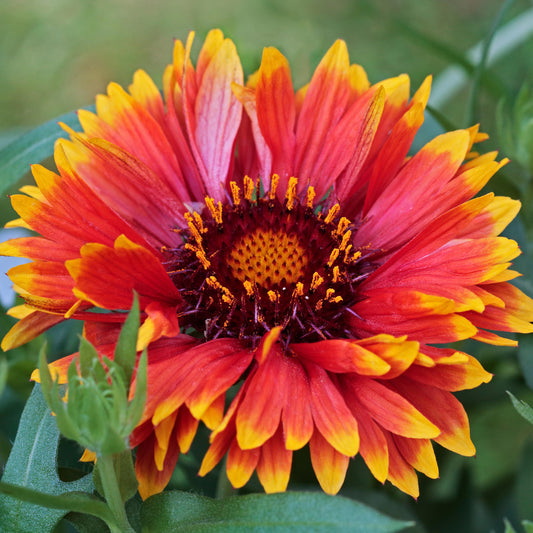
[32,464]
[136,406]
[291,512]
[508,527]
[473,104]
[528,526]
[3,373]
[125,351]
[86,523]
[33,147]
[88,355]
[522,407]
[497,458]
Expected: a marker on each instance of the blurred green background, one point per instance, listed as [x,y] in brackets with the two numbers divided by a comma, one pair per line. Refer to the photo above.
[55,55]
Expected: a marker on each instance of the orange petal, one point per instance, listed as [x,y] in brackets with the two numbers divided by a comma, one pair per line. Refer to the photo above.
[241,464]
[419,454]
[186,427]
[338,355]
[274,466]
[411,205]
[401,474]
[28,328]
[392,155]
[329,91]
[329,465]
[296,414]
[451,377]
[373,447]
[259,414]
[162,435]
[444,410]
[151,479]
[107,276]
[331,415]
[392,410]
[276,111]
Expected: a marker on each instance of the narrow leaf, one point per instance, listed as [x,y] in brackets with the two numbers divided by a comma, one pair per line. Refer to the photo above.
[136,406]
[3,374]
[292,512]
[32,464]
[88,355]
[522,407]
[473,103]
[528,526]
[32,147]
[125,351]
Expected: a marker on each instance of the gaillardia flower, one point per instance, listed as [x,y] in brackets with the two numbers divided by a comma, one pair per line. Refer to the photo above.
[284,245]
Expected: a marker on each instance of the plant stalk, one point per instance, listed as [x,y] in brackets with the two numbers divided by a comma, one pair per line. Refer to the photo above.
[112,493]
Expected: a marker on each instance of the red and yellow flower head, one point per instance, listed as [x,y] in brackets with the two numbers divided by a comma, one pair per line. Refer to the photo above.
[283,244]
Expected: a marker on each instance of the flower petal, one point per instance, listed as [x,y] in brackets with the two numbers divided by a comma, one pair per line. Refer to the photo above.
[274,465]
[276,111]
[329,465]
[392,410]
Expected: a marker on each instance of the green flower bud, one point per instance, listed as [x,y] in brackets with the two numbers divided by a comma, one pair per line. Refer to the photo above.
[95,410]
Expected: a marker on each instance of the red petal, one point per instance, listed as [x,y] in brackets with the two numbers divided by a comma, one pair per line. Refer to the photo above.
[401,474]
[392,410]
[151,479]
[218,115]
[331,415]
[443,409]
[274,466]
[241,464]
[276,111]
[329,465]
[419,454]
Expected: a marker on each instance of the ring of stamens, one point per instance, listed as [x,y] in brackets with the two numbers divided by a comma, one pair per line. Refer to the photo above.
[258,262]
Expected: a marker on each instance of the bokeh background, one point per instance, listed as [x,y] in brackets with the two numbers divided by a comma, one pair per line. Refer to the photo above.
[55,55]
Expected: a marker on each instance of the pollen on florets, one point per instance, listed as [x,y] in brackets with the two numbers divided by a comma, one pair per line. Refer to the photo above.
[258,261]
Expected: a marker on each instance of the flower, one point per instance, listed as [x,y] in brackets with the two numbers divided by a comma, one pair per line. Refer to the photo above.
[285,246]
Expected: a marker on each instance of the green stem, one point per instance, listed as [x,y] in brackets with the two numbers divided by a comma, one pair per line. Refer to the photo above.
[78,502]
[112,495]
[224,488]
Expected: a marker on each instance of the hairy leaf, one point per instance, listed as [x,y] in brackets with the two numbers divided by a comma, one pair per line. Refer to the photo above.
[32,464]
[290,512]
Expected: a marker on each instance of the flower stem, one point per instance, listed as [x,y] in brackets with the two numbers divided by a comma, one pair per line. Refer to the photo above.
[224,488]
[112,493]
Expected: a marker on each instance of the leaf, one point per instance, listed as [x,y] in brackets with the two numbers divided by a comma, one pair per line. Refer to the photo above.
[497,458]
[522,407]
[508,527]
[125,351]
[290,512]
[528,526]
[86,524]
[473,104]
[32,464]
[3,374]
[32,147]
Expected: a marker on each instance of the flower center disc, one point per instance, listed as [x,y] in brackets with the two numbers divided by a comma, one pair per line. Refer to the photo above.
[268,258]
[258,262]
